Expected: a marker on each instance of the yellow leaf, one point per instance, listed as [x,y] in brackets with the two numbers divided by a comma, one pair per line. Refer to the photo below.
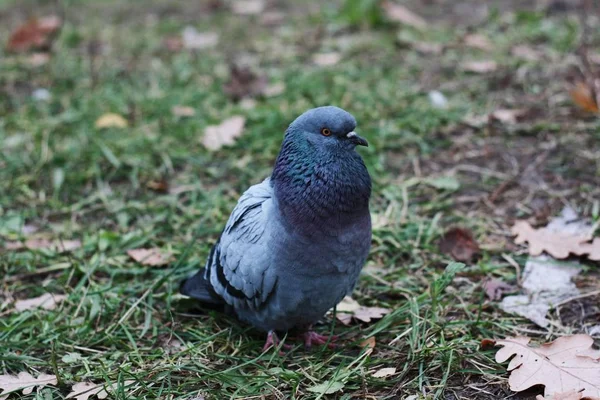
[111,120]
[583,96]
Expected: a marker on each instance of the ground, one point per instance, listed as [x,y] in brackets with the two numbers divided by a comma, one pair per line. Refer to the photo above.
[63,178]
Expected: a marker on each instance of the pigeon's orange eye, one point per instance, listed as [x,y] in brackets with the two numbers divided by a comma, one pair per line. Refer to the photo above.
[325,132]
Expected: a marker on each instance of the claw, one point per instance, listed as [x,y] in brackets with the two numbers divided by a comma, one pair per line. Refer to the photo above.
[273,341]
[312,337]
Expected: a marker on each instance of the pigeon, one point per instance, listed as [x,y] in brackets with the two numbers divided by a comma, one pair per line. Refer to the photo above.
[295,243]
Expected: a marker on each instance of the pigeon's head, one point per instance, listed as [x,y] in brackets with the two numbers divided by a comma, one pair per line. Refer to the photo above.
[328,127]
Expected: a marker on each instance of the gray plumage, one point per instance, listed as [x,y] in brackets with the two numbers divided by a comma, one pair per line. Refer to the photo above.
[295,243]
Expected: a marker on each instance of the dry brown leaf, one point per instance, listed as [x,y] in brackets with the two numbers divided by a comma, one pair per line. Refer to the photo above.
[111,120]
[217,136]
[369,342]
[546,282]
[274,90]
[244,83]
[194,40]
[34,34]
[367,314]
[272,18]
[160,185]
[58,245]
[44,244]
[153,257]
[476,121]
[570,395]
[38,59]
[85,390]
[326,59]
[495,288]
[459,244]
[558,365]
[349,308]
[398,13]
[584,97]
[384,372]
[171,345]
[478,41]
[525,53]
[428,48]
[183,111]
[594,58]
[592,249]
[557,244]
[47,301]
[24,380]
[248,7]
[173,43]
[507,116]
[479,67]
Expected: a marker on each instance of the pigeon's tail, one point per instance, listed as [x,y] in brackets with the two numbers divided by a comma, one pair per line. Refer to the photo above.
[199,288]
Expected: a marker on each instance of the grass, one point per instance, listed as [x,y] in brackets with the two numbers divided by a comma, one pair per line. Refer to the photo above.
[123,321]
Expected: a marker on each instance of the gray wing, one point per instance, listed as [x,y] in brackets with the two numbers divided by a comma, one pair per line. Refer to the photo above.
[238,266]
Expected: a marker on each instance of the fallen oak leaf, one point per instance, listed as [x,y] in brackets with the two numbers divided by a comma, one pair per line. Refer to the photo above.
[217,136]
[327,387]
[160,185]
[557,365]
[546,282]
[47,301]
[247,7]
[557,244]
[194,40]
[243,82]
[60,246]
[398,13]
[495,289]
[326,59]
[274,90]
[85,390]
[585,97]
[369,343]
[478,41]
[153,257]
[507,116]
[38,59]
[384,373]
[459,244]
[24,381]
[428,48]
[173,43]
[479,67]
[349,308]
[525,53]
[570,395]
[36,33]
[487,344]
[592,249]
[183,111]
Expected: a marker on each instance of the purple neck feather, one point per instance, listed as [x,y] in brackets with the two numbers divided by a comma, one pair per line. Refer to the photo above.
[320,189]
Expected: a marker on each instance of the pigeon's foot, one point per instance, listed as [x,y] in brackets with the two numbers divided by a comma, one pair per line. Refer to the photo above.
[273,341]
[312,337]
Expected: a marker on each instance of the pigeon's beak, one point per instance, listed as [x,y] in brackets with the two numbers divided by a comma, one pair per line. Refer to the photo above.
[354,138]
